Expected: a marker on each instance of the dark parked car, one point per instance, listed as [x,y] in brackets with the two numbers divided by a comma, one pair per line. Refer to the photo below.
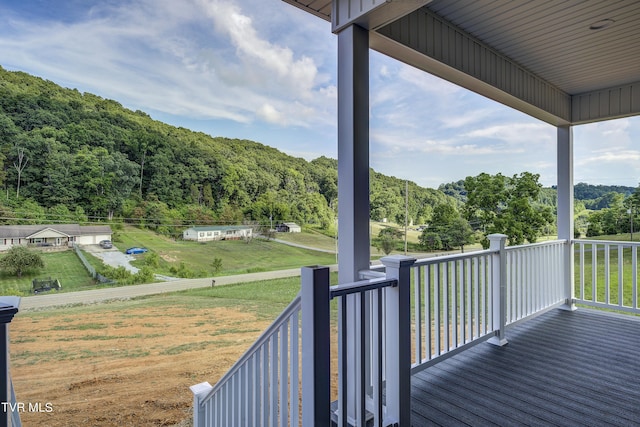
[136,251]
[106,244]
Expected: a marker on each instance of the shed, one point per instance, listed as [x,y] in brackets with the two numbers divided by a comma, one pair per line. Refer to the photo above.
[288,227]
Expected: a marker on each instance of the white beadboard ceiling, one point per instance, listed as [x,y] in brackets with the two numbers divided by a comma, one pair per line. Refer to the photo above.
[551,39]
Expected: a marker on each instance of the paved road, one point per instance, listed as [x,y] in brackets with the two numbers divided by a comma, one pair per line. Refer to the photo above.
[125,292]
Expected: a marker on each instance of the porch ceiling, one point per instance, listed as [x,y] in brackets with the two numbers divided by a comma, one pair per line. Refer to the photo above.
[540,57]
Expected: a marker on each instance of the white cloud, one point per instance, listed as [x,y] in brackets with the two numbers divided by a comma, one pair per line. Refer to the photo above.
[398,143]
[195,58]
[270,114]
[606,156]
[516,134]
[262,60]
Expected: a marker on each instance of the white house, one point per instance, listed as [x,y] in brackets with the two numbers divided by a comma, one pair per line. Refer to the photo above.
[52,235]
[226,232]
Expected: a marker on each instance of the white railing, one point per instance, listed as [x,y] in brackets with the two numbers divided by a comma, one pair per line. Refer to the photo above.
[452,303]
[463,299]
[390,325]
[534,279]
[262,388]
[607,274]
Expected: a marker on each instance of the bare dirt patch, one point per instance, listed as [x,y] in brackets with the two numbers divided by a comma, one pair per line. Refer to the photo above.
[130,367]
[168,258]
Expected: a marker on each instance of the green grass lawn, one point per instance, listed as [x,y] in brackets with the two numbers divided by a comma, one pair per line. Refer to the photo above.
[309,238]
[63,266]
[626,237]
[237,256]
[601,278]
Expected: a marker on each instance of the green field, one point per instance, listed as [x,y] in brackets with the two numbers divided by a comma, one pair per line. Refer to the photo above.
[601,276]
[63,266]
[309,238]
[237,256]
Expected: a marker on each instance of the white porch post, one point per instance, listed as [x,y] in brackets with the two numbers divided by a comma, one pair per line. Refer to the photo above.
[353,152]
[497,244]
[353,180]
[565,209]
[398,339]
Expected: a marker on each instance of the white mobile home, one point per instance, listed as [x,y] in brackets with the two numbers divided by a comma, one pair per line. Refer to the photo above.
[208,233]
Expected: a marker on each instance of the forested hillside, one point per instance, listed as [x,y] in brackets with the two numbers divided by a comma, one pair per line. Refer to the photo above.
[71,156]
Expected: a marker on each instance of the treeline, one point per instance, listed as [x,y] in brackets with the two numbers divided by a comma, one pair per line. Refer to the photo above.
[71,156]
[67,156]
[598,209]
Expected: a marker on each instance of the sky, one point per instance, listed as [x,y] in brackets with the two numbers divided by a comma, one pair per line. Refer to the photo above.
[265,71]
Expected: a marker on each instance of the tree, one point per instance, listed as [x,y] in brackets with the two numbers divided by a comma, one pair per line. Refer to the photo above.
[19,166]
[446,230]
[459,233]
[20,259]
[429,240]
[499,204]
[388,239]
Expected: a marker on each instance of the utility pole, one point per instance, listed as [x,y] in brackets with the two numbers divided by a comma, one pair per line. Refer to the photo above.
[406,213]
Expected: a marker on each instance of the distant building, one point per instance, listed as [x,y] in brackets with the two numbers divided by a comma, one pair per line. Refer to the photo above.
[221,232]
[55,235]
[288,227]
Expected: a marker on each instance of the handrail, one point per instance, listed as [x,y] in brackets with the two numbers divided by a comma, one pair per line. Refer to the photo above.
[262,339]
[372,273]
[533,245]
[452,257]
[609,242]
[360,286]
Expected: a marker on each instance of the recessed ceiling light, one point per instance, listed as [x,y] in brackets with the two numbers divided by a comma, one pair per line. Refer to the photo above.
[602,24]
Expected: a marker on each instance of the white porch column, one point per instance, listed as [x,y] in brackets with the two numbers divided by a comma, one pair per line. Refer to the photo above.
[353,183]
[353,152]
[565,208]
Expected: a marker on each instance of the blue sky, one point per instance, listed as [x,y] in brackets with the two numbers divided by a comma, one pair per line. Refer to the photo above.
[266,71]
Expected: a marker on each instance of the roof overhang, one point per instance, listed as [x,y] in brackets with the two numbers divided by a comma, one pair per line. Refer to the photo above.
[47,233]
[569,62]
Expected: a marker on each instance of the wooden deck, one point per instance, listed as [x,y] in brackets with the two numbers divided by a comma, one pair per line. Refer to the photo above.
[562,368]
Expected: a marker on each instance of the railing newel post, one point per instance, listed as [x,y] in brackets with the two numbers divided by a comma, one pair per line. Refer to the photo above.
[497,243]
[398,340]
[199,391]
[316,364]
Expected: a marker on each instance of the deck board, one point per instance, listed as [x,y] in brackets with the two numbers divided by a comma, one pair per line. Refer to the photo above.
[561,368]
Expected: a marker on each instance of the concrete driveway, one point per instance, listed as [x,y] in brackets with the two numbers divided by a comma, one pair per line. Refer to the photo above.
[112,257]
